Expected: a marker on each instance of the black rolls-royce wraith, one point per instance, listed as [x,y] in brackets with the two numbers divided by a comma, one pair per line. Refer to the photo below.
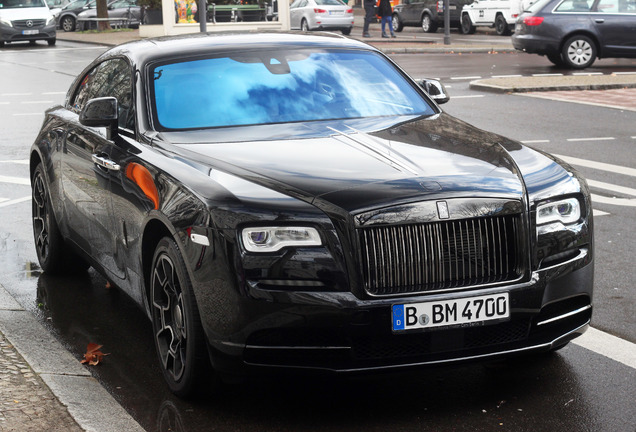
[297,201]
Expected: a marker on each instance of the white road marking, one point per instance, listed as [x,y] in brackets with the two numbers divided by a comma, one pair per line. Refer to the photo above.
[468,96]
[536,142]
[54,93]
[612,187]
[26,114]
[598,213]
[466,78]
[547,75]
[506,76]
[587,73]
[598,165]
[16,94]
[15,180]
[624,202]
[36,102]
[609,346]
[591,139]
[15,201]
[18,161]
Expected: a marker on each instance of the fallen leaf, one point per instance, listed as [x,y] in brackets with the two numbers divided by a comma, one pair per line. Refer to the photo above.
[93,355]
[107,285]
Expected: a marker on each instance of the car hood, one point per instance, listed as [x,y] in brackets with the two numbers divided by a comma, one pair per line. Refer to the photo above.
[26,13]
[356,170]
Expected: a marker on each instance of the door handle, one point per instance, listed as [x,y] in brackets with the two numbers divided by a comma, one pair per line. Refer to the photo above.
[105,163]
[599,20]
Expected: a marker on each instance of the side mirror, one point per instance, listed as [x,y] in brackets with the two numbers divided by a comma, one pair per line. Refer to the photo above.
[101,112]
[435,90]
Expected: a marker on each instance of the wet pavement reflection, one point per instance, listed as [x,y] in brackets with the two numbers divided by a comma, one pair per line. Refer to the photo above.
[549,392]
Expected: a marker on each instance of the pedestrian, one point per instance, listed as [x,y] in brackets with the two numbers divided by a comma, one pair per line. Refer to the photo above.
[386,11]
[369,9]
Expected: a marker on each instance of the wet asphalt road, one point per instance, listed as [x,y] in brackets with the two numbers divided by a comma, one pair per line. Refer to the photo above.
[574,390]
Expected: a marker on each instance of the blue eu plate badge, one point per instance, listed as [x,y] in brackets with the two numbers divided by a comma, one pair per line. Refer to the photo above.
[398,317]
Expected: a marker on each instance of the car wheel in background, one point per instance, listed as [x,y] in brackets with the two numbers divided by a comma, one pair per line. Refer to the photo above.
[467,26]
[579,52]
[303,25]
[176,324]
[501,26]
[427,24]
[51,250]
[397,23]
[67,23]
[346,32]
[51,41]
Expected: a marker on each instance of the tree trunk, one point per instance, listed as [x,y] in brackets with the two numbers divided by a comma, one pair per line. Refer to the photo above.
[102,12]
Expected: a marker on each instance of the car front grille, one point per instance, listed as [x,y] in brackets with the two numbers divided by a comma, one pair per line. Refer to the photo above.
[22,24]
[436,256]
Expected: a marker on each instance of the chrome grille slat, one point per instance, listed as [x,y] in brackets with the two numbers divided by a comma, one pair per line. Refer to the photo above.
[439,255]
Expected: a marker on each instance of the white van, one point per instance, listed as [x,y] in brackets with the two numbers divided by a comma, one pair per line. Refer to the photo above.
[26,20]
[500,14]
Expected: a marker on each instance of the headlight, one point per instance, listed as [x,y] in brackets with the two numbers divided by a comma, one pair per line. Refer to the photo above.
[567,211]
[6,22]
[271,239]
[50,20]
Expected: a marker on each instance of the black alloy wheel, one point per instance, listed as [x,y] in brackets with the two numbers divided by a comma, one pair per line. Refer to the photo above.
[467,26]
[53,255]
[501,26]
[176,324]
[579,52]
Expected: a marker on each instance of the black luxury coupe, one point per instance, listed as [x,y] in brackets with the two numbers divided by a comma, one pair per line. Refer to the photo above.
[290,201]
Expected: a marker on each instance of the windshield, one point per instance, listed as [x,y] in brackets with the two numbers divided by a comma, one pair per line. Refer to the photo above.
[278,87]
[16,4]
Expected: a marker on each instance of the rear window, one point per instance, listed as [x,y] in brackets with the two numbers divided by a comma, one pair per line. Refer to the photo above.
[279,87]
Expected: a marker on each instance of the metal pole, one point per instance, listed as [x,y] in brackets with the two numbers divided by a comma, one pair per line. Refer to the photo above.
[447,40]
[203,16]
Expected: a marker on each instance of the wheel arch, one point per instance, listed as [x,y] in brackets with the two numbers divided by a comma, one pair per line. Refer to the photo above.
[588,34]
[152,234]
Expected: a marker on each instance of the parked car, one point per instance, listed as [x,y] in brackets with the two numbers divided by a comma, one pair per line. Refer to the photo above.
[500,14]
[26,21]
[429,14]
[122,13]
[296,201]
[575,33]
[67,17]
[327,15]
[56,6]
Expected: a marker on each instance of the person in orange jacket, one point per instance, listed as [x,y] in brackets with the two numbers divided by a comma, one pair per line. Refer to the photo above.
[386,11]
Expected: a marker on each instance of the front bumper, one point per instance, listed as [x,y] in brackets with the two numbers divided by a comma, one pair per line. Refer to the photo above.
[338,332]
[326,22]
[12,34]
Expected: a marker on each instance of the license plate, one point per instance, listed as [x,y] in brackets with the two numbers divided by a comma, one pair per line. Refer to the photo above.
[452,7]
[336,12]
[30,32]
[462,311]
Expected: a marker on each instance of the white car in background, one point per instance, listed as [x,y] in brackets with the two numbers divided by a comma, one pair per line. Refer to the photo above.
[500,14]
[327,15]
[26,20]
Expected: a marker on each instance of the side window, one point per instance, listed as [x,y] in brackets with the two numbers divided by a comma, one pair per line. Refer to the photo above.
[607,6]
[574,6]
[110,78]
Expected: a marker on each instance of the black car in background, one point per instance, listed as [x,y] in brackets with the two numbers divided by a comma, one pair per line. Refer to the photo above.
[429,14]
[67,17]
[288,201]
[575,33]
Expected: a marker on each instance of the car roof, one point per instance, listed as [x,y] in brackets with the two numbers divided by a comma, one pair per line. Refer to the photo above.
[163,48]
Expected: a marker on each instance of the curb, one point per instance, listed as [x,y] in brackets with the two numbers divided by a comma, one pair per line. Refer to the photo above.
[554,83]
[87,402]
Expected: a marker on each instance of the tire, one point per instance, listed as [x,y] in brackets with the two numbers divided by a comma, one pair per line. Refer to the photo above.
[177,329]
[579,52]
[501,26]
[428,26]
[466,25]
[346,32]
[556,59]
[53,255]
[32,42]
[51,42]
[67,23]
[397,23]
[304,26]
[1,44]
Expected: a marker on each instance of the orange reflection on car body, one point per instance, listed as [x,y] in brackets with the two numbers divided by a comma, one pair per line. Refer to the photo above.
[142,178]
